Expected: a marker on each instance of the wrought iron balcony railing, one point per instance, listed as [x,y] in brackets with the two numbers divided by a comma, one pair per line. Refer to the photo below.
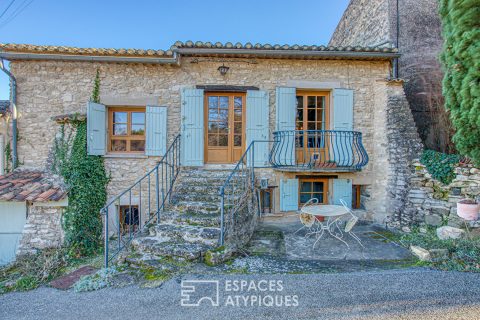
[318,150]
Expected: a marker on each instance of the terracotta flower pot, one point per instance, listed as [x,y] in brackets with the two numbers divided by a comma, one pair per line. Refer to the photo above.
[468,209]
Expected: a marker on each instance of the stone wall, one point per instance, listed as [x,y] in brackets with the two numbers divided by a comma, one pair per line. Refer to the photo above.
[404,145]
[434,203]
[370,22]
[245,219]
[364,22]
[43,228]
[396,144]
[50,88]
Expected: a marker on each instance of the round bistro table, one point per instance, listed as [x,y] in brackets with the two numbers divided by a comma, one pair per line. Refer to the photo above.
[333,213]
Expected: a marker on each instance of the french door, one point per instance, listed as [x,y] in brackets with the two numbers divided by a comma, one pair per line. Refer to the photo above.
[312,117]
[224,127]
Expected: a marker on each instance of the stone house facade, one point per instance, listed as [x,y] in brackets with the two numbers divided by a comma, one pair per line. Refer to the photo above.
[419,40]
[361,140]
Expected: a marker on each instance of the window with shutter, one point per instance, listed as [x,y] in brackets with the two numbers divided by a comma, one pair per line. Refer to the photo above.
[126,130]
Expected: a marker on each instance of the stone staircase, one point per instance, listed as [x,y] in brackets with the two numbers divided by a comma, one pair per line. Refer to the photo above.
[190,224]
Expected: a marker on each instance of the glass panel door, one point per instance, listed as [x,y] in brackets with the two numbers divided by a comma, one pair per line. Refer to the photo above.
[312,119]
[224,127]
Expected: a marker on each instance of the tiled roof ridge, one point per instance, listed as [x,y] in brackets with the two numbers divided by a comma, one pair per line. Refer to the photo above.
[45,49]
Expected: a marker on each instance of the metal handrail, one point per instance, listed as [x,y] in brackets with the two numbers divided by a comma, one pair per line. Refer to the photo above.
[157,184]
[236,187]
[318,149]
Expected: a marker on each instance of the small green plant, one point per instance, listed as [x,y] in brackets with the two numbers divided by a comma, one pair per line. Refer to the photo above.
[100,279]
[440,165]
[26,283]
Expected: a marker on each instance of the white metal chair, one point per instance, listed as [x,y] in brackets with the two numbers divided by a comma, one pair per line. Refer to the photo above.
[350,224]
[307,220]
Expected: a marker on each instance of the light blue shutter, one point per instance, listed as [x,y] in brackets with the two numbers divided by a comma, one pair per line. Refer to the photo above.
[342,148]
[155,131]
[342,189]
[289,195]
[257,125]
[285,120]
[192,127]
[96,129]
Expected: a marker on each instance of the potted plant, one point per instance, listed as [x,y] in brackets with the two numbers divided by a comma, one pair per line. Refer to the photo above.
[468,209]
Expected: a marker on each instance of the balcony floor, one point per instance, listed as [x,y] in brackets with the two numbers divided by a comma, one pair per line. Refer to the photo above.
[315,169]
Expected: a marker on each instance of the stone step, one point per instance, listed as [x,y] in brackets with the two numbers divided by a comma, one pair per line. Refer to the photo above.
[204,220]
[205,173]
[184,250]
[201,181]
[195,207]
[195,196]
[187,233]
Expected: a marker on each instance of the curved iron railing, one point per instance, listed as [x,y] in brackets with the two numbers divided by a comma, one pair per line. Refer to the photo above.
[151,193]
[318,150]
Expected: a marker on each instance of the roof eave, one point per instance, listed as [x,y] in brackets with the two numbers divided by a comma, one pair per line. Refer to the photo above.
[288,53]
[11,55]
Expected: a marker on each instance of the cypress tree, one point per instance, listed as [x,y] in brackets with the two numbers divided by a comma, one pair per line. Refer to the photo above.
[461,62]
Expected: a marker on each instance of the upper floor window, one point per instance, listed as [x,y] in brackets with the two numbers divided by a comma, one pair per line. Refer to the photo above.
[126,129]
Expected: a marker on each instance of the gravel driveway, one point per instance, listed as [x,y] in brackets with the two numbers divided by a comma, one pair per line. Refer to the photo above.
[405,294]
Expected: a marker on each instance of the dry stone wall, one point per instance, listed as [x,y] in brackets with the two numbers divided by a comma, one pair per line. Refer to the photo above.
[42,230]
[433,203]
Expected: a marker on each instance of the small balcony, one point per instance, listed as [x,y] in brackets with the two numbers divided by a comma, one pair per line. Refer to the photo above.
[318,151]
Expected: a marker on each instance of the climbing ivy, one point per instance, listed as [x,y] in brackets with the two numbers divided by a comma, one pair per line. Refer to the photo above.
[440,165]
[87,180]
[461,62]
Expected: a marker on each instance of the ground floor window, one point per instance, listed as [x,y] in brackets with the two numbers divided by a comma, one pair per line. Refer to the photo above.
[313,188]
[129,218]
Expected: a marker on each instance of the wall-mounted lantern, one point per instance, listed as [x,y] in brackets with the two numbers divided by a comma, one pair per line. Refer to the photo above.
[223,69]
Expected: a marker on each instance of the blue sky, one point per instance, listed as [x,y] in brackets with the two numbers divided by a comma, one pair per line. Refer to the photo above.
[158,24]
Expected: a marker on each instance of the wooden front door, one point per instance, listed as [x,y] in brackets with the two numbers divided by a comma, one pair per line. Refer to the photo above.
[224,127]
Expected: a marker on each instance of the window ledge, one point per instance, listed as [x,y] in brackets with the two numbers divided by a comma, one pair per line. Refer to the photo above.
[126,156]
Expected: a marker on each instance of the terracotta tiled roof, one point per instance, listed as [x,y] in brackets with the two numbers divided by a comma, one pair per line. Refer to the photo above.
[28,48]
[28,185]
[248,45]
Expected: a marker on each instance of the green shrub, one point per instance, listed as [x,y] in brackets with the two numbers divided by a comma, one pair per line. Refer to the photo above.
[461,62]
[440,165]
[87,180]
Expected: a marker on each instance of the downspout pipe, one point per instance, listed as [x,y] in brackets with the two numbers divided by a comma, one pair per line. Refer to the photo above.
[13,110]
[397,42]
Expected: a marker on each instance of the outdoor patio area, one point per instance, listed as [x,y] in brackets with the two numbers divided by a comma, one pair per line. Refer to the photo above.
[277,236]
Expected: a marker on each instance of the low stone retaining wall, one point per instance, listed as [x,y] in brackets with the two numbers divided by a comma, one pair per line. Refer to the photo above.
[43,228]
[435,203]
